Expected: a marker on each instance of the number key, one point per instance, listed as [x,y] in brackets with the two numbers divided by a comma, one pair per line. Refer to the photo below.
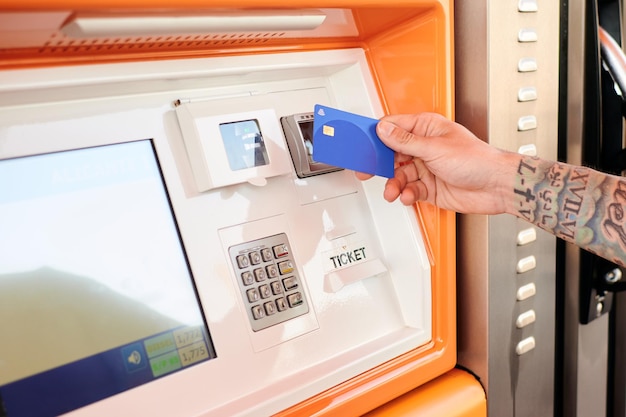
[242,261]
[247,278]
[259,274]
[258,312]
[266,254]
[265,291]
[253,295]
[255,258]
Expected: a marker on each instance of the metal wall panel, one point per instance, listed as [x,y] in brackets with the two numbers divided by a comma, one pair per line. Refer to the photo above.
[507,66]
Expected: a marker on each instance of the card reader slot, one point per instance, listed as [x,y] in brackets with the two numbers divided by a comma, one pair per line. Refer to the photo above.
[336,280]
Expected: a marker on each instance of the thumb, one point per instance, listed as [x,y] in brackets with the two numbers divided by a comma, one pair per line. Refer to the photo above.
[398,139]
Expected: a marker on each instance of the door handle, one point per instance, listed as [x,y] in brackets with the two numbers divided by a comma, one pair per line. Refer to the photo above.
[614,59]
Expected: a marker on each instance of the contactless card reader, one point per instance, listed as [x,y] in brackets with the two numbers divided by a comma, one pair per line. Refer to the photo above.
[298,130]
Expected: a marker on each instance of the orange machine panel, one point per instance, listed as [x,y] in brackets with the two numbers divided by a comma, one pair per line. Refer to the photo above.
[455,394]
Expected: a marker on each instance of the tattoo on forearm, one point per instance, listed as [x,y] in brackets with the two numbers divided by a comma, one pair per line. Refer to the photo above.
[614,222]
[577,204]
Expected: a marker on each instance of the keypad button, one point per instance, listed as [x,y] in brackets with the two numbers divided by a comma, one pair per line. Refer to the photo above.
[265,291]
[258,312]
[272,271]
[259,274]
[295,299]
[276,288]
[255,258]
[268,278]
[280,251]
[242,261]
[285,267]
[266,254]
[253,295]
[270,308]
[247,278]
[290,283]
[281,304]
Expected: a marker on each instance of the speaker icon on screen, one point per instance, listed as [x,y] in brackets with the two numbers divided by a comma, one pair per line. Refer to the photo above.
[134,358]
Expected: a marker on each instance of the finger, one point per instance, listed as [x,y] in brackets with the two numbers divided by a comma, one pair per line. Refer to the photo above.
[403,176]
[400,140]
[392,190]
[414,192]
[408,195]
[414,171]
[410,172]
[401,158]
[362,175]
[421,124]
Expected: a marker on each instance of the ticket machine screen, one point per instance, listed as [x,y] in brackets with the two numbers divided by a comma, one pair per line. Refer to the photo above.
[96,294]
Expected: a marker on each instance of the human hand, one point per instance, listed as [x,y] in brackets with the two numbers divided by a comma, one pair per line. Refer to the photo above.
[443,163]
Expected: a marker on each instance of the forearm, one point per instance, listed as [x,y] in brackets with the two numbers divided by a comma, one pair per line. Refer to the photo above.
[577,204]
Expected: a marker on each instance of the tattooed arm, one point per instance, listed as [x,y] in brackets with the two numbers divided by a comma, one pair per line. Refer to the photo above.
[577,204]
[441,162]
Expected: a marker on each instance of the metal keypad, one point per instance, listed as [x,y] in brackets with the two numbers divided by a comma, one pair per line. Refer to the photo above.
[267,276]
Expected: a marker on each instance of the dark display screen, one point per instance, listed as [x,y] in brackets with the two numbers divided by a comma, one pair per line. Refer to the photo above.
[96,296]
[306,128]
[244,144]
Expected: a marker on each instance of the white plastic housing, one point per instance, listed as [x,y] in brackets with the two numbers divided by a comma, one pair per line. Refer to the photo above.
[361,314]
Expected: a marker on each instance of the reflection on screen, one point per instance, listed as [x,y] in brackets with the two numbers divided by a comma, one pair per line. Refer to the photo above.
[307,134]
[245,147]
[94,284]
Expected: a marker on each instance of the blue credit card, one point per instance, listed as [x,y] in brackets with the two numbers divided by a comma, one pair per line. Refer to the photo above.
[349,140]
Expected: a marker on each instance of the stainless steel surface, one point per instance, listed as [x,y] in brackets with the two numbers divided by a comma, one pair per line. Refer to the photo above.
[488,79]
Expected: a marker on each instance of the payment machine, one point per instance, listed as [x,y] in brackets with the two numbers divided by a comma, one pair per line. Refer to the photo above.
[168,244]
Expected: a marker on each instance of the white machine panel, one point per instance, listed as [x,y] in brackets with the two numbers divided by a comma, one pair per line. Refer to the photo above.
[292,283]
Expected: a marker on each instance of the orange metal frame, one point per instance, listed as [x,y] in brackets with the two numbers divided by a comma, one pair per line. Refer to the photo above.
[409,47]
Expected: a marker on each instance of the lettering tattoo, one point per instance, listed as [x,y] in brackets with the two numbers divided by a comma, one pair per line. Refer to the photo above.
[577,204]
[614,222]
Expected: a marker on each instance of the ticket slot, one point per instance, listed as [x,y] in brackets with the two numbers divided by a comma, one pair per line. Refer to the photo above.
[336,280]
